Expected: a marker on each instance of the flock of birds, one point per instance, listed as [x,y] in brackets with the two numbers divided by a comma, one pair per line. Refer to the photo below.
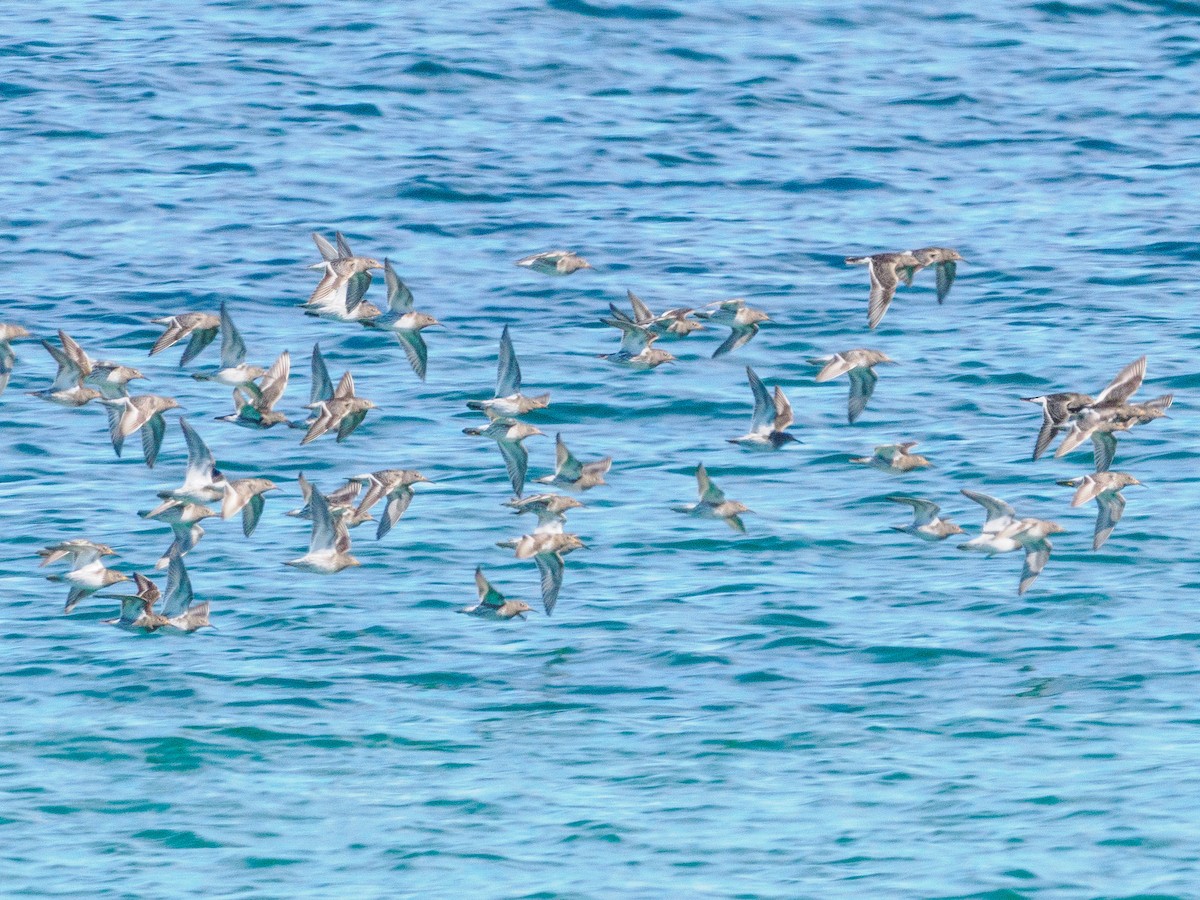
[340,296]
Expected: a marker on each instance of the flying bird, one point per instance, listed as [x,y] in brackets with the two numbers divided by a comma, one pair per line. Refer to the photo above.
[554,262]
[858,365]
[200,328]
[1105,489]
[508,399]
[713,505]
[771,418]
[927,523]
[492,604]
[403,320]
[572,474]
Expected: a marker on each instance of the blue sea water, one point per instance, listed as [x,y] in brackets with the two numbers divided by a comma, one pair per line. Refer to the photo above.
[821,707]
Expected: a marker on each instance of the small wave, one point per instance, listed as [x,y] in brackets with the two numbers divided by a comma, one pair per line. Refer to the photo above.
[619,11]
[367,110]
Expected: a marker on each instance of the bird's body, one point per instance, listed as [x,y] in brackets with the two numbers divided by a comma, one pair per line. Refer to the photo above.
[341,502]
[184,519]
[1102,420]
[344,282]
[712,503]
[547,550]
[508,434]
[203,482]
[674,323]
[394,484]
[550,510]
[491,604]
[329,547]
[200,329]
[254,407]
[859,366]
[572,474]
[945,266]
[894,458]
[771,419]
[245,495]
[1105,488]
[143,413]
[636,350]
[743,322]
[1061,410]
[8,334]
[554,262]
[68,387]
[508,399]
[1003,532]
[87,574]
[344,411]
[927,523]
[234,372]
[137,611]
[886,271]
[403,320]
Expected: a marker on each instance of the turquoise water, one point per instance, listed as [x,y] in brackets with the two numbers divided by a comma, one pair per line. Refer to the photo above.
[821,707]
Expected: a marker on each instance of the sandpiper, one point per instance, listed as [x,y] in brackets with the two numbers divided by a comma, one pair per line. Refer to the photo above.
[674,323]
[636,351]
[340,292]
[246,495]
[203,481]
[87,574]
[713,504]
[233,371]
[255,407]
[894,458]
[111,378]
[858,365]
[770,420]
[181,613]
[1004,533]
[396,485]
[142,413]
[1100,422]
[508,434]
[570,473]
[137,610]
[945,266]
[184,518]
[742,320]
[1033,536]
[74,551]
[508,399]
[344,410]
[202,327]
[1105,489]
[554,262]
[68,388]
[403,320]
[320,387]
[886,271]
[8,334]
[329,547]
[550,510]
[341,503]
[999,517]
[1060,410]
[492,604]
[547,551]
[926,524]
